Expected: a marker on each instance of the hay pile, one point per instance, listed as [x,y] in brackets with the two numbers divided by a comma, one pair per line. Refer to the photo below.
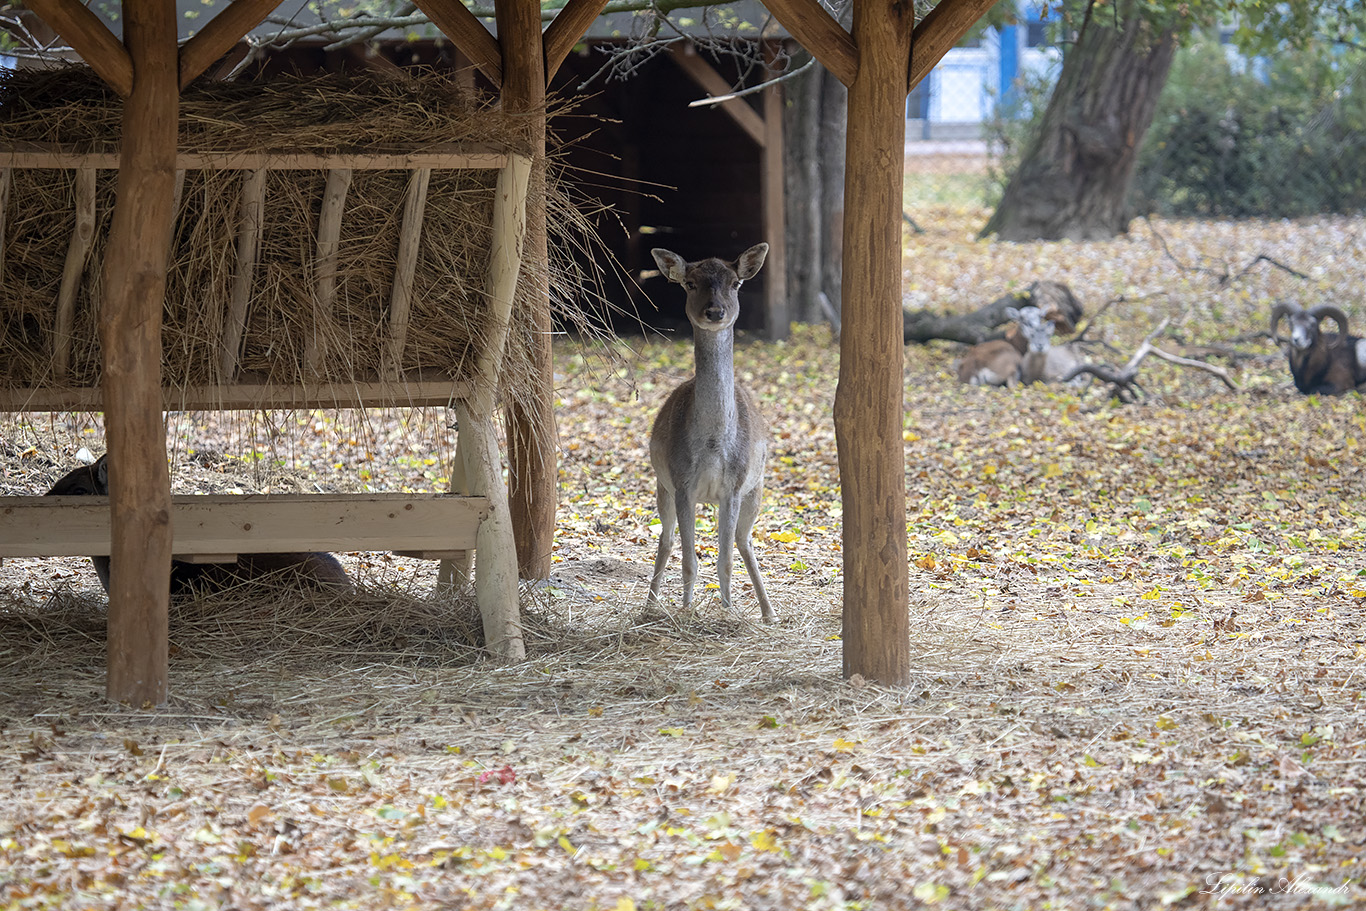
[325,113]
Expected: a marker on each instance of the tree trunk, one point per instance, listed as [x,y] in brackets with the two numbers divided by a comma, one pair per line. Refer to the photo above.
[1073,182]
[814,122]
[869,398]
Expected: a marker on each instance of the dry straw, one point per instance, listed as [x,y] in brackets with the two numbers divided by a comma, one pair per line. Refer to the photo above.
[325,114]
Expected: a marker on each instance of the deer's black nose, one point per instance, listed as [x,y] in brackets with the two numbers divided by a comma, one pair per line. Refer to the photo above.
[714,314]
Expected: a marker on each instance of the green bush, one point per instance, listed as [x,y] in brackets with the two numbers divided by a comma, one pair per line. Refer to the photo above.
[1282,137]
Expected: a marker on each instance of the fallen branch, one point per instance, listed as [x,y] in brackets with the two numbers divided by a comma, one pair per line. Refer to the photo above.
[1124,382]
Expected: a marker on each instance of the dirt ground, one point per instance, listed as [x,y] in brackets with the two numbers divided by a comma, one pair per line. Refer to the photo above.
[1138,648]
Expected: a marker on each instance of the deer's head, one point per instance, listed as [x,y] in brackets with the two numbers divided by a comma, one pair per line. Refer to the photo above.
[713,285]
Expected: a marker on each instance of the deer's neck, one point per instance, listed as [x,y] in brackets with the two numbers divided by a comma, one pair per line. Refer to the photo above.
[714,387]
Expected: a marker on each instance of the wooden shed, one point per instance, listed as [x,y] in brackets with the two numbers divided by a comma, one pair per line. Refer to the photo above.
[148,68]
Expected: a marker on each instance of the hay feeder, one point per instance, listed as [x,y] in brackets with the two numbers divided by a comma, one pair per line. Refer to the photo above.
[302,275]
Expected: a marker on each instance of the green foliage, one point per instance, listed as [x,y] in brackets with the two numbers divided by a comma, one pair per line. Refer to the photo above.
[1279,138]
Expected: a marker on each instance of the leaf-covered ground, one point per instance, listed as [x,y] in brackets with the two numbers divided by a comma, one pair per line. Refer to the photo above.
[1139,647]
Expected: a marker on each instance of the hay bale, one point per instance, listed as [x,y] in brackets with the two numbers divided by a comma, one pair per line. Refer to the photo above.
[326,113]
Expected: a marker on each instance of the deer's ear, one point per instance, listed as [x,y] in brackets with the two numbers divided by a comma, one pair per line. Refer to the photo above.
[1012,313]
[670,264]
[751,261]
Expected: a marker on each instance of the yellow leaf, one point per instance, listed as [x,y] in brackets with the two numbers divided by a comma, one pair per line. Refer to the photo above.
[844,746]
[764,841]
[786,537]
[1165,723]
[625,904]
[564,842]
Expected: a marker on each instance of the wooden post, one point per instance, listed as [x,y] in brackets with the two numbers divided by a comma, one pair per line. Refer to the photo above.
[4,208]
[868,401]
[533,483]
[73,270]
[130,328]
[250,223]
[325,268]
[776,305]
[481,466]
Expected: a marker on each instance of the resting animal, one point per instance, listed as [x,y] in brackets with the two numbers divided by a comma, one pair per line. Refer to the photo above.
[1042,361]
[314,569]
[1328,363]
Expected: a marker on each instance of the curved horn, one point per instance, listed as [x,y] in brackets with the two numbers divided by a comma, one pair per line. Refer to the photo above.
[1283,308]
[1334,313]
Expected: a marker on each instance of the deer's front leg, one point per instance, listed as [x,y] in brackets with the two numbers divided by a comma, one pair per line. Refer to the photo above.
[687,525]
[727,513]
[668,518]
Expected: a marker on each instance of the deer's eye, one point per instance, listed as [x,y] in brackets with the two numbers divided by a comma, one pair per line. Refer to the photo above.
[736,286]
[689,286]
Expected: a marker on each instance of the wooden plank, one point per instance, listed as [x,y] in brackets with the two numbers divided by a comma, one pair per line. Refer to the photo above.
[253,397]
[250,224]
[405,269]
[218,36]
[869,398]
[215,526]
[819,33]
[325,267]
[90,37]
[73,271]
[469,35]
[710,81]
[130,333]
[565,31]
[453,156]
[939,32]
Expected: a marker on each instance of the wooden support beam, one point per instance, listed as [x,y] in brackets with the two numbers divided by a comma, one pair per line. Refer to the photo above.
[218,36]
[408,392]
[481,468]
[454,156]
[405,270]
[940,31]
[210,527]
[325,268]
[90,37]
[469,35]
[819,33]
[250,224]
[566,30]
[869,398]
[73,271]
[710,81]
[533,474]
[130,330]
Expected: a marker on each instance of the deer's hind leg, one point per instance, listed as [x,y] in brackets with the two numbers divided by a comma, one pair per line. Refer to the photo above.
[744,527]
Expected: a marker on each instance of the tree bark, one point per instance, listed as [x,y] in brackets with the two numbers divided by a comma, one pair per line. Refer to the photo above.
[533,483]
[130,331]
[1073,182]
[868,400]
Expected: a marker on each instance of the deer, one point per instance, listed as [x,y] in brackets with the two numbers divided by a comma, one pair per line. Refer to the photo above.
[709,442]
[317,570]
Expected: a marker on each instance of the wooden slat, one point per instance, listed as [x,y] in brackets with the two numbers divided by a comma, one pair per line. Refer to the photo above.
[250,397]
[710,81]
[442,157]
[250,223]
[777,307]
[565,31]
[819,33]
[405,268]
[939,32]
[91,38]
[325,268]
[259,523]
[73,271]
[218,36]
[469,35]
